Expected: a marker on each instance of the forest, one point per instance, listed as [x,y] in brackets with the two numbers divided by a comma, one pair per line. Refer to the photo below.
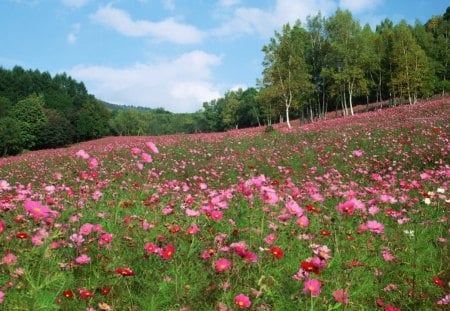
[310,68]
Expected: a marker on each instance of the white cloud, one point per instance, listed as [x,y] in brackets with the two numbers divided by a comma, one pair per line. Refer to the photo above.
[248,20]
[227,3]
[75,3]
[166,30]
[178,85]
[358,6]
[72,37]
[168,5]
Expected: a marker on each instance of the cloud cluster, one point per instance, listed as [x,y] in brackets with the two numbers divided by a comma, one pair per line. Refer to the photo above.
[178,85]
[166,30]
[185,82]
[75,3]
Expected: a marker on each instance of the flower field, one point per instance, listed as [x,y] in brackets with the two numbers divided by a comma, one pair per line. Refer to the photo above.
[343,214]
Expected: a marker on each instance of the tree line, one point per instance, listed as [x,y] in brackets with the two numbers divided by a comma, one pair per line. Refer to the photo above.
[329,64]
[309,69]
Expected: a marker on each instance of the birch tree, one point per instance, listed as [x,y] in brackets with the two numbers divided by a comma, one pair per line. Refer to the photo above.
[285,70]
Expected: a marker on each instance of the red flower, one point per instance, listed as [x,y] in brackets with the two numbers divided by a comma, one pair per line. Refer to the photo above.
[277,252]
[68,294]
[22,235]
[309,267]
[325,232]
[313,209]
[105,290]
[85,294]
[167,252]
[125,271]
[438,281]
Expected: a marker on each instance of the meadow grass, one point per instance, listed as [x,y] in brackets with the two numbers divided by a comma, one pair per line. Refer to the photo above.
[345,216]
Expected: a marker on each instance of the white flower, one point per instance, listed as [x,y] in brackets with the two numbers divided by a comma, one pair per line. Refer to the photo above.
[440,190]
[409,233]
[427,201]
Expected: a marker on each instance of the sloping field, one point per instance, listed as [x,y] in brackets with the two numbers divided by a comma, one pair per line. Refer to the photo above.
[343,214]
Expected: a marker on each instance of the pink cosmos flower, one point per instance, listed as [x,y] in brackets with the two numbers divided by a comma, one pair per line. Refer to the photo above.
[135,151]
[9,259]
[4,185]
[86,229]
[269,195]
[146,158]
[106,238]
[2,296]
[152,147]
[391,308]
[316,197]
[82,154]
[375,227]
[192,213]
[151,248]
[312,287]
[242,301]
[341,296]
[36,209]
[270,238]
[93,163]
[222,265]
[216,215]
[303,221]
[2,226]
[357,153]
[192,229]
[387,256]
[83,259]
[97,195]
[293,208]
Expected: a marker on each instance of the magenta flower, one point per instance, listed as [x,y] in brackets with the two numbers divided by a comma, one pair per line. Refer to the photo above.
[303,221]
[375,227]
[242,301]
[9,259]
[312,287]
[93,163]
[357,153]
[222,265]
[86,229]
[146,158]
[83,259]
[152,147]
[36,209]
[341,296]
[151,248]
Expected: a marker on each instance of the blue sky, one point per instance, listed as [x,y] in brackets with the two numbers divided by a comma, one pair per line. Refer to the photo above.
[174,54]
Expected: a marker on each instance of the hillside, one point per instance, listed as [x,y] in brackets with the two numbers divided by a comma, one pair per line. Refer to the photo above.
[349,213]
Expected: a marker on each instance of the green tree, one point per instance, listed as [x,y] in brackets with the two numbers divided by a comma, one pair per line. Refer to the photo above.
[30,116]
[10,136]
[230,117]
[347,57]
[56,132]
[285,69]
[411,75]
[92,120]
[318,48]
[5,106]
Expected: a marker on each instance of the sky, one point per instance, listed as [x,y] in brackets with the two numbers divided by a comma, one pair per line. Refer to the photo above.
[174,54]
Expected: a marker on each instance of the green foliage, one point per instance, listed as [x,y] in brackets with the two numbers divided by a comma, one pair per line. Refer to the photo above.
[30,116]
[11,139]
[56,132]
[92,120]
